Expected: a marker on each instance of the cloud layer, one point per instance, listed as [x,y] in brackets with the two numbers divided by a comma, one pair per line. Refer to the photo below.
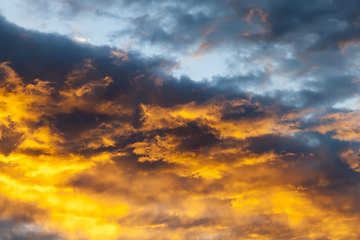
[98,142]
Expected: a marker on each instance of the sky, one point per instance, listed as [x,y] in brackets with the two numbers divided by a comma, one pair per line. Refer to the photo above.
[192,119]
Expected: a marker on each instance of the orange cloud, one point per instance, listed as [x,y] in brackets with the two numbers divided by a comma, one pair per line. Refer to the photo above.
[120,56]
[344,125]
[343,45]
[263,15]
[186,171]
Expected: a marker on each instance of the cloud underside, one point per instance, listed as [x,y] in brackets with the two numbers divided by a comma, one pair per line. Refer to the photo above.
[102,143]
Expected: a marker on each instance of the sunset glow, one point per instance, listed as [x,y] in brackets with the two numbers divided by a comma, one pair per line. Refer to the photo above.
[179,120]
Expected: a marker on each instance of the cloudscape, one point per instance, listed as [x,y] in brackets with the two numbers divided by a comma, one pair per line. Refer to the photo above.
[191,119]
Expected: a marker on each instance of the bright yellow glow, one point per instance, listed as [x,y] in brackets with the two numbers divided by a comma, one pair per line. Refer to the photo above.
[174,188]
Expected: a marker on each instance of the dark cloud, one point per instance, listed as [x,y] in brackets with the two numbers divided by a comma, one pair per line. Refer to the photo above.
[303,40]
[324,23]
[100,137]
[10,230]
[9,138]
[17,221]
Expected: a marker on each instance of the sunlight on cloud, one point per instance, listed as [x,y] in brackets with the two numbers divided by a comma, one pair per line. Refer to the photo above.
[260,140]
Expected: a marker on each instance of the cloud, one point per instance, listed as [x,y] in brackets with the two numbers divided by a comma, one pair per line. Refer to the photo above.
[15,231]
[100,142]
